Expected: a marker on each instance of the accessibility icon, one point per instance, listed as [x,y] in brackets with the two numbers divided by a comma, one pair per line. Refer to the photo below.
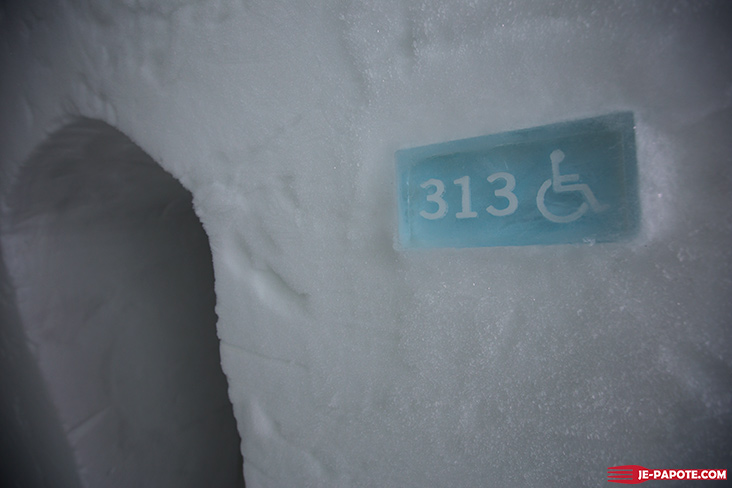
[562,183]
[559,183]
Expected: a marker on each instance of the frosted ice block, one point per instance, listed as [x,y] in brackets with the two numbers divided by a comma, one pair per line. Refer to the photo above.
[569,182]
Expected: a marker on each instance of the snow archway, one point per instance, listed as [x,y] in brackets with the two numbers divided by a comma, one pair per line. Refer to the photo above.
[113,282]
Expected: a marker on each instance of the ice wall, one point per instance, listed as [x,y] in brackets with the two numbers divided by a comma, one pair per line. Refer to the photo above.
[353,362]
[33,448]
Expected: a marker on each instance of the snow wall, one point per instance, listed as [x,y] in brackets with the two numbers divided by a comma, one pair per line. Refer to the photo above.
[352,361]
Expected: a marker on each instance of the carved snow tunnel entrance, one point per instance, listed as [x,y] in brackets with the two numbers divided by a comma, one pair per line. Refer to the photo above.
[113,283]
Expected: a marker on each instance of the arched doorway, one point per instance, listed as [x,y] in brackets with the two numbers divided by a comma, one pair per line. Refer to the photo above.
[113,281]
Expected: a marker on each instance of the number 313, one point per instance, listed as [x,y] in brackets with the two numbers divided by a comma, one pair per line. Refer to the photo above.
[506,191]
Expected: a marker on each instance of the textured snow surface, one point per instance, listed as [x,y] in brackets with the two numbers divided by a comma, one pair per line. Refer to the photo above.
[352,362]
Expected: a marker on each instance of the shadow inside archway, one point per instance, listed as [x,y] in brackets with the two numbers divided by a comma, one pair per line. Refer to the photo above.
[113,281]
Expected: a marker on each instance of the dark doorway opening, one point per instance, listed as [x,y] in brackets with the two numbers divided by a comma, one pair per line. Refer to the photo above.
[112,281]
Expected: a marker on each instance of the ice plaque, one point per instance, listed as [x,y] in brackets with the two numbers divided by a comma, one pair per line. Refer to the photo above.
[570,182]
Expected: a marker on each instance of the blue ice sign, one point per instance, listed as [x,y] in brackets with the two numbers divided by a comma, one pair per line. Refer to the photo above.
[561,183]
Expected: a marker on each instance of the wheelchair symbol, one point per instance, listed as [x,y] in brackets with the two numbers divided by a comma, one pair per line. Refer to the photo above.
[558,182]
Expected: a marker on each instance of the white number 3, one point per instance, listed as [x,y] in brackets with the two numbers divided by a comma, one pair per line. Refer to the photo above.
[436,197]
[505,192]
